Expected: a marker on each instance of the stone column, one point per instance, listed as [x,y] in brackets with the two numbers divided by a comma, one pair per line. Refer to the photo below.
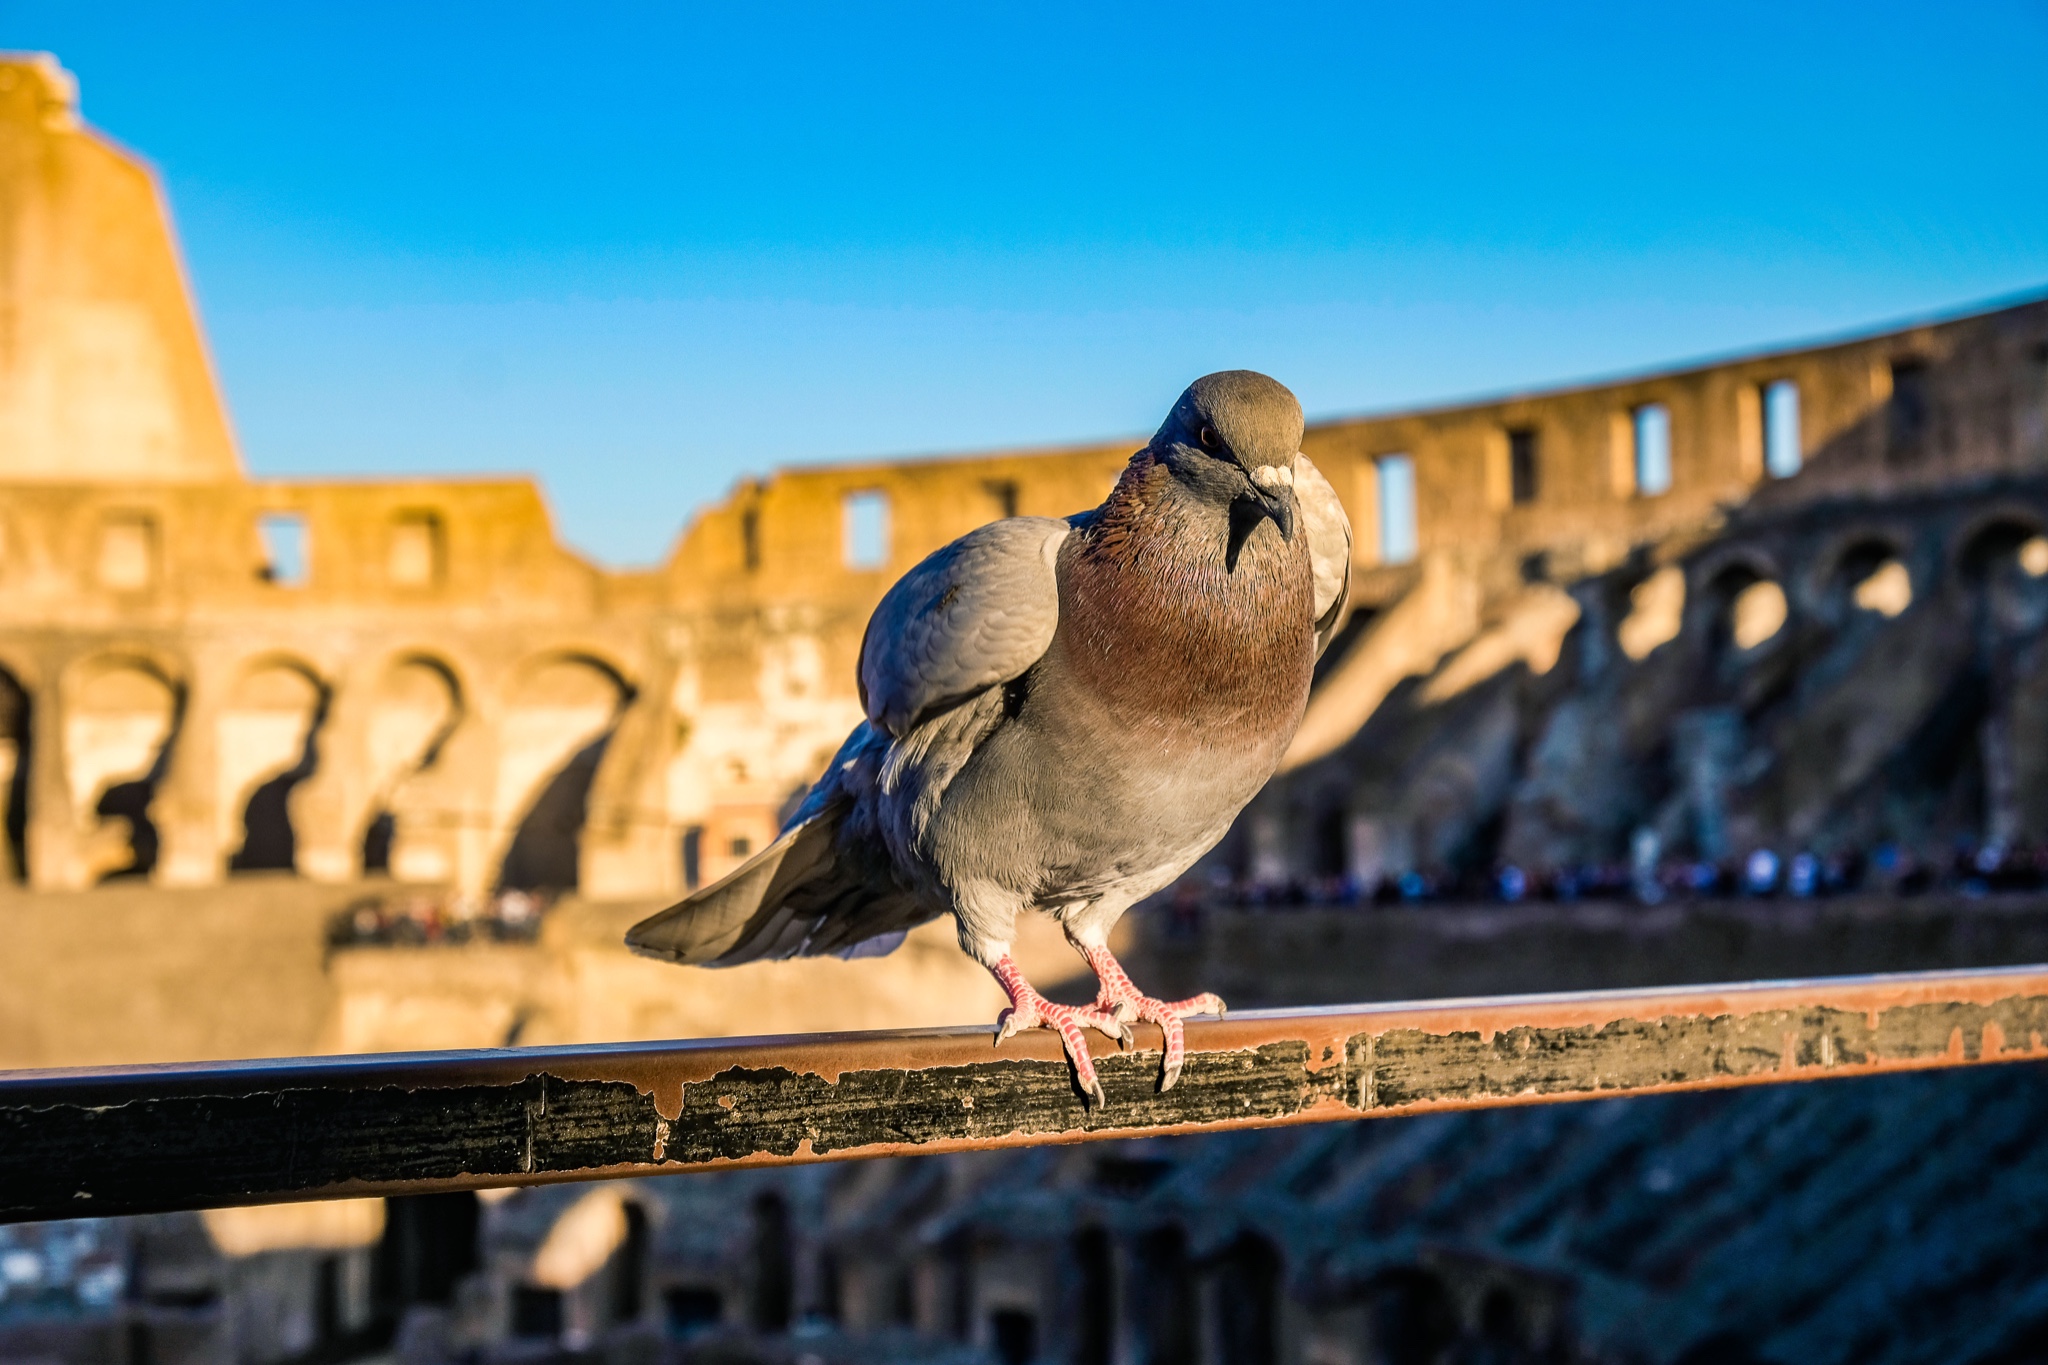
[191,850]
[443,813]
[56,860]
[629,847]
[330,808]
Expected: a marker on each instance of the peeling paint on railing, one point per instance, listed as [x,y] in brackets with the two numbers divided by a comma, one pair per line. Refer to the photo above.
[133,1139]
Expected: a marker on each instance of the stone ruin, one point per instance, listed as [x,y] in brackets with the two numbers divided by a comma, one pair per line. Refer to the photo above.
[1789,601]
[203,673]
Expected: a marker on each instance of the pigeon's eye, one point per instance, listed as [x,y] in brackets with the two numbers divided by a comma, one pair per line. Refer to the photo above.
[1208,438]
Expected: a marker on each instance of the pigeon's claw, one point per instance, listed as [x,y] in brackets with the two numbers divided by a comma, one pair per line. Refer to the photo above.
[1126,1002]
[1029,1009]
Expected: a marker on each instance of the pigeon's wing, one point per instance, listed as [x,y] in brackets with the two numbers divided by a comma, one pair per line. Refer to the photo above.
[1329,546]
[823,886]
[971,616]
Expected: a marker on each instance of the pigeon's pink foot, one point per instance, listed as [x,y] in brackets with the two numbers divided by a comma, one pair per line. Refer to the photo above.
[1120,997]
[1029,1009]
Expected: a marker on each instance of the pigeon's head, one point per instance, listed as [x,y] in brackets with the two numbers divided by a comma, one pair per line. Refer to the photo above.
[1233,436]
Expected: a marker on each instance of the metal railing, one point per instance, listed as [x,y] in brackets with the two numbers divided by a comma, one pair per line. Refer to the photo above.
[83,1143]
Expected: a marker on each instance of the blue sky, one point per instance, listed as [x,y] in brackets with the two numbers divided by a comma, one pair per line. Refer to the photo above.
[642,250]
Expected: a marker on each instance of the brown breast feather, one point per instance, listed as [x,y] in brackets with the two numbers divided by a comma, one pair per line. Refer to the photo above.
[1168,638]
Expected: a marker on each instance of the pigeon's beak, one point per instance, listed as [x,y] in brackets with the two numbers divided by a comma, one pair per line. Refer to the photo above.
[1273,485]
[1281,505]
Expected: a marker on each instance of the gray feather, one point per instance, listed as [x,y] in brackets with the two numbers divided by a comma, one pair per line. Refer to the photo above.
[824,886]
[1329,547]
[971,616]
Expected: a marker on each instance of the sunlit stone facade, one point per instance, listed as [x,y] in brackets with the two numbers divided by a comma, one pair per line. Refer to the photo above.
[202,672]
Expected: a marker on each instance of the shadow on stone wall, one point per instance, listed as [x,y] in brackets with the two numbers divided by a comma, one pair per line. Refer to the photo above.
[1833,678]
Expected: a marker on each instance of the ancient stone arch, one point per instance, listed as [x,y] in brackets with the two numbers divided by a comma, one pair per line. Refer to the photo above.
[1992,539]
[1737,558]
[558,713]
[121,713]
[1740,603]
[416,704]
[1847,561]
[266,729]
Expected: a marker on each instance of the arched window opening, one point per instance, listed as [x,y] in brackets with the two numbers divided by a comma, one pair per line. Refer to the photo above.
[268,736]
[1868,576]
[2003,547]
[560,718]
[1655,615]
[1888,591]
[120,727]
[1747,610]
[127,803]
[417,706]
[547,848]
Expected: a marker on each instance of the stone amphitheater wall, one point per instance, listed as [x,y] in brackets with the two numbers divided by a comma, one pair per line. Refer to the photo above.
[439,691]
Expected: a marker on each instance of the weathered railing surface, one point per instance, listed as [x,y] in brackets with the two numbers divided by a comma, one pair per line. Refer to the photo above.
[135,1139]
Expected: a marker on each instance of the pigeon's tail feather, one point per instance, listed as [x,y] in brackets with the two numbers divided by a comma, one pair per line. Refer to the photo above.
[801,896]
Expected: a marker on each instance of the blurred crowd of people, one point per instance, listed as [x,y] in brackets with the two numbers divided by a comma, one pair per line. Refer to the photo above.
[1763,873]
[64,1267]
[439,917]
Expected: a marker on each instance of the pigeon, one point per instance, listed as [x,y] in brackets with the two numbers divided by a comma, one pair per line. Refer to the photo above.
[1062,716]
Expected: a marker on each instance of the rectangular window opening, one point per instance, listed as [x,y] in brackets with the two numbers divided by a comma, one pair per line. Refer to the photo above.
[693,857]
[1907,409]
[864,542]
[1394,477]
[750,538]
[285,561]
[1782,446]
[1004,492]
[1522,465]
[416,550]
[1652,426]
[127,557]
